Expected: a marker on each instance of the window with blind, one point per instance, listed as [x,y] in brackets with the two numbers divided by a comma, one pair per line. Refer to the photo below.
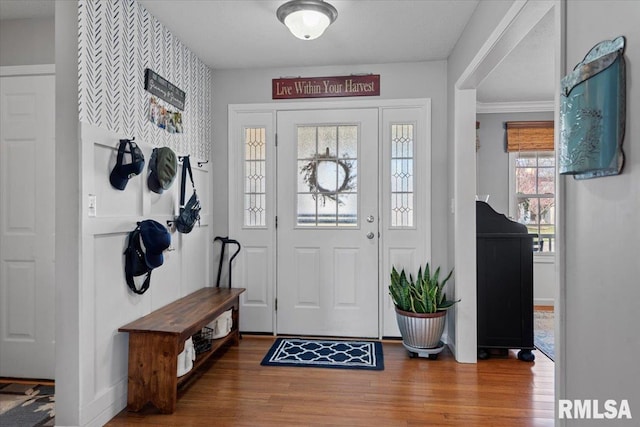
[533,187]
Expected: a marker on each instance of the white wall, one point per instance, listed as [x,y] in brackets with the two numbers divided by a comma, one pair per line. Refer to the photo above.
[397,81]
[106,301]
[602,271]
[92,297]
[27,41]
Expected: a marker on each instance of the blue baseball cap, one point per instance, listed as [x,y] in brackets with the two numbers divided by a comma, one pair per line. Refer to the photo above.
[122,171]
[156,239]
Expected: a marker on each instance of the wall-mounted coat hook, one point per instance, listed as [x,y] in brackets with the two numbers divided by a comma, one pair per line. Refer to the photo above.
[200,163]
[132,139]
[170,223]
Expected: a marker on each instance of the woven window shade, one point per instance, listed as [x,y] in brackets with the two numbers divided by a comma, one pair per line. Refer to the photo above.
[530,136]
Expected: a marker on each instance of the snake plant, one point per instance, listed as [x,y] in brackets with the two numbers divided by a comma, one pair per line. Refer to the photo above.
[422,295]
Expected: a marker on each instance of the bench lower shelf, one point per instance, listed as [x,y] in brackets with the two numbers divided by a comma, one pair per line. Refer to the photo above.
[201,358]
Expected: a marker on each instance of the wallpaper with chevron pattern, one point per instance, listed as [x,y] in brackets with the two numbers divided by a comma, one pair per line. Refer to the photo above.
[118,39]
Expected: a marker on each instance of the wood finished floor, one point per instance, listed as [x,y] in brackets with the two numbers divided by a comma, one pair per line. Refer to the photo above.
[234,390]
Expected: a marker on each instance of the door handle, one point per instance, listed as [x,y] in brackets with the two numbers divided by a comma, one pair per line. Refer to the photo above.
[370,235]
[370,218]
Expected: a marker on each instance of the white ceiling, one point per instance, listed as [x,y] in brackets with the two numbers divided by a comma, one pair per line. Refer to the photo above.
[527,73]
[247,34]
[230,34]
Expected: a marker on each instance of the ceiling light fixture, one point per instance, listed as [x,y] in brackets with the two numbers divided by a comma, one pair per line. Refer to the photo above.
[307,19]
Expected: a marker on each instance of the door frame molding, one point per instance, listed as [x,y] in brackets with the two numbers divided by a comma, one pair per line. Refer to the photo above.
[37,70]
[234,110]
[27,70]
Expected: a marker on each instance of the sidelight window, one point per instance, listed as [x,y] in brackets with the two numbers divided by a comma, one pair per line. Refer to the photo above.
[255,165]
[402,175]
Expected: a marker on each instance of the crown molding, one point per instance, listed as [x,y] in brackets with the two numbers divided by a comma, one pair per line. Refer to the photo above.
[514,107]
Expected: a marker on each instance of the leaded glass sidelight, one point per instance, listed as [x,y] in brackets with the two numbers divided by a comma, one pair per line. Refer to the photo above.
[255,165]
[327,164]
[402,176]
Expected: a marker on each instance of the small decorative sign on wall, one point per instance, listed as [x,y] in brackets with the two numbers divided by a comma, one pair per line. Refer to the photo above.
[326,87]
[163,89]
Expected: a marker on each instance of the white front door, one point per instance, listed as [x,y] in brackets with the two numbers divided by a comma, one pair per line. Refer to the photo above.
[27,226]
[328,222]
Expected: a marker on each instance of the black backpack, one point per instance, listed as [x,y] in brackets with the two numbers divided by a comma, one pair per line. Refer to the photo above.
[135,264]
[189,213]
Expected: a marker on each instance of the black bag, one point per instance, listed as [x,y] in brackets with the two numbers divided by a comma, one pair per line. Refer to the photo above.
[189,213]
[135,264]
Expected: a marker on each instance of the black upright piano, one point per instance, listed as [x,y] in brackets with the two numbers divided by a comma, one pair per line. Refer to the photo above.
[504,284]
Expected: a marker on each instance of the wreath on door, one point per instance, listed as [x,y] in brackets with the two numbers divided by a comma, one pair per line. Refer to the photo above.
[345,176]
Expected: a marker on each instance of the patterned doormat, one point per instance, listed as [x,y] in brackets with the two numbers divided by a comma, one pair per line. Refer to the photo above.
[325,354]
[543,332]
[27,405]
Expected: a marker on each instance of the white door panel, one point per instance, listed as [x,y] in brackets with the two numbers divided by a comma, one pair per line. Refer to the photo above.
[406,197]
[327,250]
[252,216]
[27,227]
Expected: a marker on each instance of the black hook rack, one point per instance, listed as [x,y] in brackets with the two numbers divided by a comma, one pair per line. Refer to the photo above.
[225,241]
[170,223]
[202,162]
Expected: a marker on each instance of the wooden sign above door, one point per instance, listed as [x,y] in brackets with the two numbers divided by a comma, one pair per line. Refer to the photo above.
[326,87]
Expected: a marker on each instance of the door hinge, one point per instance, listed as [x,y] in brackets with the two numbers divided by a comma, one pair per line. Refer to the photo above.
[276,139]
[276,221]
[276,304]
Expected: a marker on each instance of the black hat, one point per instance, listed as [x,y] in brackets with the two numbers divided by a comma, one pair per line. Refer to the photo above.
[123,171]
[162,169]
[156,239]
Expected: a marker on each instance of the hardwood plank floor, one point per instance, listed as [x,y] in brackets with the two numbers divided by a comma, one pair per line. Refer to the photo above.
[234,390]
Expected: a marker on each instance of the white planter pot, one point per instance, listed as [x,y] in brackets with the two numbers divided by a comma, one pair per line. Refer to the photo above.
[421,330]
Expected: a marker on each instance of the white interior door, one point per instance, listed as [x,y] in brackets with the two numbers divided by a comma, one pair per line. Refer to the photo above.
[328,223]
[27,226]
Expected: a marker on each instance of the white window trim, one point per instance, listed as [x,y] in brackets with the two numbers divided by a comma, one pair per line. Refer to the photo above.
[538,257]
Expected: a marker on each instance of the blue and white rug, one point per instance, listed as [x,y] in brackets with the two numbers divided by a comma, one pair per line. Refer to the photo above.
[325,354]
[543,337]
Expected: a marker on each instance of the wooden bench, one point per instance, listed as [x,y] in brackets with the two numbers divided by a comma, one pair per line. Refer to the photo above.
[156,340]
